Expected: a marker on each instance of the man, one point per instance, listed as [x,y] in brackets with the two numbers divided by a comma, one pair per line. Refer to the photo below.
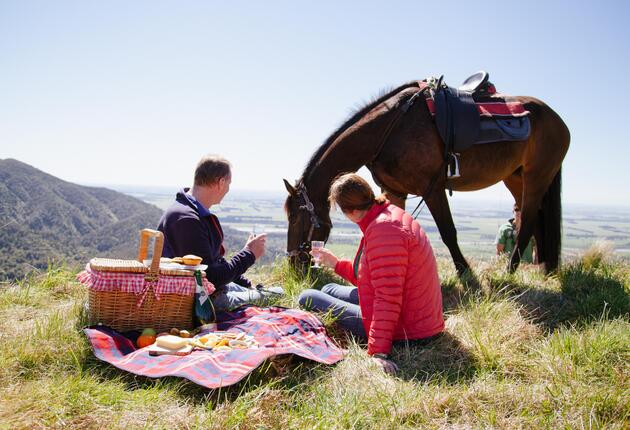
[190,228]
[506,238]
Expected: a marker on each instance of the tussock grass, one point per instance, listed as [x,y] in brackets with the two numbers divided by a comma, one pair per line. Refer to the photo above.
[521,351]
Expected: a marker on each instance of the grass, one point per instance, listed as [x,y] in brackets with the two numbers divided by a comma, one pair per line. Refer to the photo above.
[522,351]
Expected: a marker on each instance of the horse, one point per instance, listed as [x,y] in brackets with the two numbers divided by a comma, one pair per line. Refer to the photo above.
[403,151]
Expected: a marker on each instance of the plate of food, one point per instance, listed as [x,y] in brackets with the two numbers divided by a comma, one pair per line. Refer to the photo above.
[187,262]
[223,341]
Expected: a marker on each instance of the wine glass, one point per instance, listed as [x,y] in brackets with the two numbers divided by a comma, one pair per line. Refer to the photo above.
[316,244]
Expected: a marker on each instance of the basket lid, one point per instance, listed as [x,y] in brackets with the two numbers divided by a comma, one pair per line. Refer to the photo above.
[132,266]
[117,265]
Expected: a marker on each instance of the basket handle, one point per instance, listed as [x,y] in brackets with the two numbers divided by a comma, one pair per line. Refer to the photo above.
[158,244]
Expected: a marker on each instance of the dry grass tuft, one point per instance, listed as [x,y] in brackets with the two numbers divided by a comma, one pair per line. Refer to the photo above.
[600,252]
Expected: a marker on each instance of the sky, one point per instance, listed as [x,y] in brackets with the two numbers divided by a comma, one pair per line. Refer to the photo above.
[135,93]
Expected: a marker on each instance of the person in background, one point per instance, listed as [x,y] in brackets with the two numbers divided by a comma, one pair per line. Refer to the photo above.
[397,295]
[506,238]
[190,228]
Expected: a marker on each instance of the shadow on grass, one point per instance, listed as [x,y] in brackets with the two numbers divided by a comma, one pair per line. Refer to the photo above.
[444,358]
[585,294]
[592,292]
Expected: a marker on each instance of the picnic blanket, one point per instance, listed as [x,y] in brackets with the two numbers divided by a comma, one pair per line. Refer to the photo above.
[277,331]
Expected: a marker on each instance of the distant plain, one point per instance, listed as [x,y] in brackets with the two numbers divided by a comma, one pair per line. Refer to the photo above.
[477,222]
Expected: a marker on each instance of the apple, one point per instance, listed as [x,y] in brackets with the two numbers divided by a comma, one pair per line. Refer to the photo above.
[148,332]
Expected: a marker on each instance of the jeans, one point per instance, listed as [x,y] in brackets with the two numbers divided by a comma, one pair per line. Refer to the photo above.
[342,301]
[231,296]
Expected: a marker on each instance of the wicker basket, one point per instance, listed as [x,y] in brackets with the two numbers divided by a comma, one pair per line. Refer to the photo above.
[127,295]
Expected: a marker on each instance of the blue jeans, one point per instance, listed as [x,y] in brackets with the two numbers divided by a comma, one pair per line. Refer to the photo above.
[342,301]
[232,295]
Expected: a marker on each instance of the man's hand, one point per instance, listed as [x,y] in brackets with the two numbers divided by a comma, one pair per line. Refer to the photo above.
[325,256]
[386,365]
[256,244]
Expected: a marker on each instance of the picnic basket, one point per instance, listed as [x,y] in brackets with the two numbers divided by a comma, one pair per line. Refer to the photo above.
[127,295]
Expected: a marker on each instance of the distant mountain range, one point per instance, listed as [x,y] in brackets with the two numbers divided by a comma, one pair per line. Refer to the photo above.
[45,219]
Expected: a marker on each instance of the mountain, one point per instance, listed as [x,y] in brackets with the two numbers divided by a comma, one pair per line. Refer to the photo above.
[45,219]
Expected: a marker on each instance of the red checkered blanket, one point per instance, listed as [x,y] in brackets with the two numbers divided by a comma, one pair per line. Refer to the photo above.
[277,331]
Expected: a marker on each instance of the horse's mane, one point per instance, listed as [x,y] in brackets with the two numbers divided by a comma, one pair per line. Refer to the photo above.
[355,116]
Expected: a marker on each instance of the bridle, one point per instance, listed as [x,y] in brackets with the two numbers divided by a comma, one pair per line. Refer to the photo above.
[316,222]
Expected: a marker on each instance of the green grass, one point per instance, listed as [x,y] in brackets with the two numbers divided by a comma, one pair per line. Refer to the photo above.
[522,351]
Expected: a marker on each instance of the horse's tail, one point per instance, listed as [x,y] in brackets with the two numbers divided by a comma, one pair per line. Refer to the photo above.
[550,222]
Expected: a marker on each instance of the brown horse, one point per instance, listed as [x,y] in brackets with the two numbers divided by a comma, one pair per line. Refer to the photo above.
[405,155]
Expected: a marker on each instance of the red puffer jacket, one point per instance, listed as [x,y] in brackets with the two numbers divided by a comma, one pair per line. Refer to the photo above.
[399,289]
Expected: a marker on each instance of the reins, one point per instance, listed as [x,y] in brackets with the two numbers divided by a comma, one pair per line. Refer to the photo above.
[402,111]
[390,127]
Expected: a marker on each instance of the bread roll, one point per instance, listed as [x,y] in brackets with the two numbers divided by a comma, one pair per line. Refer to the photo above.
[191,260]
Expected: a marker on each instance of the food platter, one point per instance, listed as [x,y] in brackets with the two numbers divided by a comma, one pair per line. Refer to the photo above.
[170,265]
[223,341]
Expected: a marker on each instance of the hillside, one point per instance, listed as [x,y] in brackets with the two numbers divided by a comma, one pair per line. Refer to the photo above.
[45,219]
[525,352]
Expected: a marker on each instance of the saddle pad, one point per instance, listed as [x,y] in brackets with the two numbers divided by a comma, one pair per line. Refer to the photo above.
[277,331]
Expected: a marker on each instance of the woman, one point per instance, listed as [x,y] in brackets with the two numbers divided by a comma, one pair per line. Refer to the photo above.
[397,295]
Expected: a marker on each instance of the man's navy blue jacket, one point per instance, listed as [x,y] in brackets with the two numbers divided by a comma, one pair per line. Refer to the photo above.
[189,228]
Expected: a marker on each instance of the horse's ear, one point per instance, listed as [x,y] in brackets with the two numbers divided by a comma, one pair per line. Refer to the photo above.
[290,188]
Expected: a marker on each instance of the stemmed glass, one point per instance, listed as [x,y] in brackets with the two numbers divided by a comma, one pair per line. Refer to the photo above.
[316,244]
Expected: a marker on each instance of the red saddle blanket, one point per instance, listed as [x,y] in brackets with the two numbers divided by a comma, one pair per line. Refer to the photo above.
[277,331]
[490,106]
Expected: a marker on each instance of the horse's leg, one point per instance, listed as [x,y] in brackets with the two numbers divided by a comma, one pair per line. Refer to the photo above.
[514,184]
[438,205]
[533,194]
[395,199]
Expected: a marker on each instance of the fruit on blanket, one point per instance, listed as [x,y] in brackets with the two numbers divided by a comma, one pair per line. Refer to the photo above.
[145,340]
[149,332]
[184,333]
[209,340]
[174,331]
[171,342]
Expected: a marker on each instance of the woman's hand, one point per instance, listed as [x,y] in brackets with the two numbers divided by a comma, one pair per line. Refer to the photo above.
[325,256]
[386,365]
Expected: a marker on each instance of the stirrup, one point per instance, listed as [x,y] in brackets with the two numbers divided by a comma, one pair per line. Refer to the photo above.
[452,170]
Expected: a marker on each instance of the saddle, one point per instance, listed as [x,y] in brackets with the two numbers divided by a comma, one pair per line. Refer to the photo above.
[473,114]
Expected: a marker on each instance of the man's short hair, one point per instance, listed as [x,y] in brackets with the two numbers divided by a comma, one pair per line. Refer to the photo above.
[210,169]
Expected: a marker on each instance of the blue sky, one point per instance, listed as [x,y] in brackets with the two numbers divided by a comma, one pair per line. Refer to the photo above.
[135,92]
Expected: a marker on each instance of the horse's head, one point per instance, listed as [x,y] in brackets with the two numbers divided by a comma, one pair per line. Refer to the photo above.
[308,220]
